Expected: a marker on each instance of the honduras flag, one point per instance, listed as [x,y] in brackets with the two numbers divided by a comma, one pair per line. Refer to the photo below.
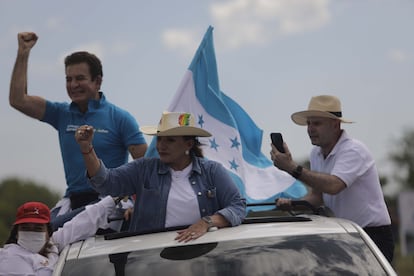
[236,141]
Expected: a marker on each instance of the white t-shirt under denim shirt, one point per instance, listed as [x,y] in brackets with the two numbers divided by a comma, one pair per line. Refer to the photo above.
[182,203]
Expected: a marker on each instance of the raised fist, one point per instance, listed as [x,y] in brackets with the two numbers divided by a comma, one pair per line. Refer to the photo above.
[26,40]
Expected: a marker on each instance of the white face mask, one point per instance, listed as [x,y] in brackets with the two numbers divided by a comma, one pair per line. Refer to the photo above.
[32,241]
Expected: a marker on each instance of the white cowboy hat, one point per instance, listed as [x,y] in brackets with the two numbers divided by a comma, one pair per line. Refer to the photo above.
[320,106]
[175,124]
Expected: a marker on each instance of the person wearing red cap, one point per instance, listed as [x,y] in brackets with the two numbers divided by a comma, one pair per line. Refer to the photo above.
[31,249]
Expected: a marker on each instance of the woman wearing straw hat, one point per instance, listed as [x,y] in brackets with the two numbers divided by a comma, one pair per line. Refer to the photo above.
[33,248]
[342,174]
[177,189]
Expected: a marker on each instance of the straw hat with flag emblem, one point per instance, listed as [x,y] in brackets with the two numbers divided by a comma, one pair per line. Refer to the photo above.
[176,124]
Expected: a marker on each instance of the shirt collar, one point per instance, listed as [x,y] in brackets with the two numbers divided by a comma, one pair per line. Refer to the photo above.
[196,167]
[344,136]
[92,104]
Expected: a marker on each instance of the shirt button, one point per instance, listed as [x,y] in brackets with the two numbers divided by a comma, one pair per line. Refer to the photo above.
[203,210]
[193,183]
[199,193]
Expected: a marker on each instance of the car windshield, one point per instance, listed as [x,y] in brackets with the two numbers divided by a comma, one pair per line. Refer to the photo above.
[334,254]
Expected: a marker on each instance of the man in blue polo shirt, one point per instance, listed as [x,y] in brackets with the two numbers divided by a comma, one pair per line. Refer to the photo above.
[117,132]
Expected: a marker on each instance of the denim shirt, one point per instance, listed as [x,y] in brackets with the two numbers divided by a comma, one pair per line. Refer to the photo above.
[150,180]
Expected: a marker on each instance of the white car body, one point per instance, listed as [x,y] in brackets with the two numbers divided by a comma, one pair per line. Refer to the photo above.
[256,247]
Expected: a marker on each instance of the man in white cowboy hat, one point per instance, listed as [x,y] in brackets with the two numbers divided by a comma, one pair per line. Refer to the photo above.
[179,188]
[342,174]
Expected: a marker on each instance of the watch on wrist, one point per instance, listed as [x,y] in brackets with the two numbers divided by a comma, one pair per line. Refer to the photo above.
[297,172]
[208,220]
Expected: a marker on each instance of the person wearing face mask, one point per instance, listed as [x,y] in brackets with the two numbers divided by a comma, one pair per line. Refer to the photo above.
[33,248]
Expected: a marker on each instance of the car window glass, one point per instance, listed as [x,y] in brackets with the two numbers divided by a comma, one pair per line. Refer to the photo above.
[328,254]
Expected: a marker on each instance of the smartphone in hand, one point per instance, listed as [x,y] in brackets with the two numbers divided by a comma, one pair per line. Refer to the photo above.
[277,141]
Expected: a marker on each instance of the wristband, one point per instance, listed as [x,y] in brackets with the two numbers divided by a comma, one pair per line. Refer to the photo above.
[89,151]
[297,172]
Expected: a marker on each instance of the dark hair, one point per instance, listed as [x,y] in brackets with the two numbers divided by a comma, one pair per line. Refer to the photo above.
[196,149]
[95,65]
[13,239]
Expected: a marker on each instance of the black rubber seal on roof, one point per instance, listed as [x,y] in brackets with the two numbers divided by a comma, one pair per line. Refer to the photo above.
[187,252]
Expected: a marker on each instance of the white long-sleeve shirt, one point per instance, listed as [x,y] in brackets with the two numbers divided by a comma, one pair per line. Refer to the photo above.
[15,260]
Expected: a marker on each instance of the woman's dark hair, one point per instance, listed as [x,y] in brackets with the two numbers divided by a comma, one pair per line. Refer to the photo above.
[196,149]
[95,65]
[13,239]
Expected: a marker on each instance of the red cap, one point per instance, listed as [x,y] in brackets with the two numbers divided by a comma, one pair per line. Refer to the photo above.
[33,212]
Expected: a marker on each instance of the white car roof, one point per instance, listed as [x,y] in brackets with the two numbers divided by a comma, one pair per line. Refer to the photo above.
[317,225]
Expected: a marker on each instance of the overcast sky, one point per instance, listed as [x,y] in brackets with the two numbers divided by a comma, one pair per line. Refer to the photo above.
[272,57]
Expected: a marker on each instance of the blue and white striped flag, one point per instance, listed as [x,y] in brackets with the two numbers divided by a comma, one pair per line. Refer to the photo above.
[236,140]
